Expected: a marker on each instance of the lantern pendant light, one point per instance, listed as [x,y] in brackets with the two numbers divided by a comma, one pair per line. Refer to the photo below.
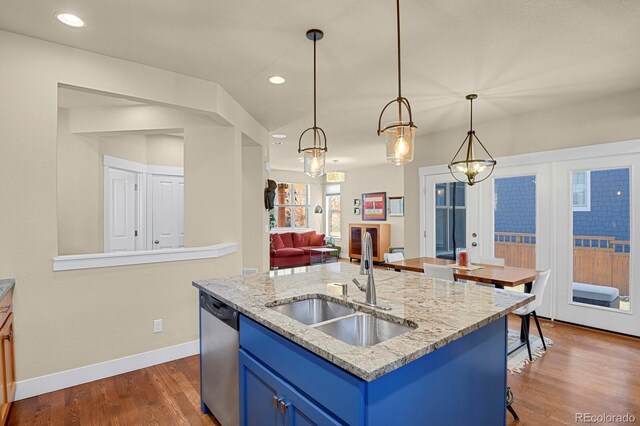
[399,135]
[471,166]
[314,156]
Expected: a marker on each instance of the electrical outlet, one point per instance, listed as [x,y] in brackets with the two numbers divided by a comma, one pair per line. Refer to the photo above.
[157,326]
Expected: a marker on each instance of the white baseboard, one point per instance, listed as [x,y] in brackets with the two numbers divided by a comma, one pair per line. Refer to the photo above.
[64,379]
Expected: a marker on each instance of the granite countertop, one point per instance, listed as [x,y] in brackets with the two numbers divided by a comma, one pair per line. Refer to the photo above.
[443,311]
[6,285]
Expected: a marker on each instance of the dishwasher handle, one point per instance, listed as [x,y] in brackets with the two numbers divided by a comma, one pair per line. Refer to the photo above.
[219,309]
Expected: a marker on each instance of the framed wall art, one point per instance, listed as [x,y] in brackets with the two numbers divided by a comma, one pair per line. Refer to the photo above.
[374,206]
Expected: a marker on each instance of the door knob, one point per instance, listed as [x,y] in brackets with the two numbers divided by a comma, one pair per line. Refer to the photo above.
[474,235]
[156,242]
[474,244]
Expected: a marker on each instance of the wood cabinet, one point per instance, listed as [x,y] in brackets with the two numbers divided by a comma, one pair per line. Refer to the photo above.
[8,371]
[380,237]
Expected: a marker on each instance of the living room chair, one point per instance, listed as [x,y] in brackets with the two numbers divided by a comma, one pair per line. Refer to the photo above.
[441,272]
[530,309]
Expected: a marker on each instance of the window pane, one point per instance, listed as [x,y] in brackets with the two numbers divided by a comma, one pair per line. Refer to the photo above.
[283,217]
[300,194]
[441,195]
[334,231]
[301,217]
[460,189]
[515,221]
[283,193]
[601,241]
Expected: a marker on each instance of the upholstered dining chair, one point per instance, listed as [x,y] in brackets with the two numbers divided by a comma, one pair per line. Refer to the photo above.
[441,272]
[529,309]
[493,261]
[393,257]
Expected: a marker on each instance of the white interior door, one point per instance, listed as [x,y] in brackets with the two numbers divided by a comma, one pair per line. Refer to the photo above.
[121,206]
[167,212]
[451,217]
[598,238]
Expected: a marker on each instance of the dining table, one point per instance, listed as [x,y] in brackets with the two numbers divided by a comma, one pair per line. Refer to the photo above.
[499,276]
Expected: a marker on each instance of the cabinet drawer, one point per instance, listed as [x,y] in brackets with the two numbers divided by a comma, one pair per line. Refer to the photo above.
[331,387]
[6,305]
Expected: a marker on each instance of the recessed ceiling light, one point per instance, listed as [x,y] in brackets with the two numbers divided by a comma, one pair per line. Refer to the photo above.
[70,20]
[278,136]
[276,79]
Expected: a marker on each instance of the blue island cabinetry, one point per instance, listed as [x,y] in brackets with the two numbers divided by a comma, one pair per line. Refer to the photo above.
[282,383]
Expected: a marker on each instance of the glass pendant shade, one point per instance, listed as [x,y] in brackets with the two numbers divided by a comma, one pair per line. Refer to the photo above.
[314,162]
[336,177]
[399,138]
[472,163]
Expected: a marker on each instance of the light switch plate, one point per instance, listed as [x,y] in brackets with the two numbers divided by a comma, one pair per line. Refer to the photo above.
[157,326]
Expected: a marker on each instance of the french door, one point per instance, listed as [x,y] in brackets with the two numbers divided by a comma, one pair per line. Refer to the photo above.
[572,211]
[451,217]
[597,242]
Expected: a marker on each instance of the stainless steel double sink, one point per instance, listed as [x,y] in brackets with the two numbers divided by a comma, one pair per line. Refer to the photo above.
[342,322]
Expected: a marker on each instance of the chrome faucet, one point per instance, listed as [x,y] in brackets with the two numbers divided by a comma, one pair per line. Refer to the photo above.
[366,268]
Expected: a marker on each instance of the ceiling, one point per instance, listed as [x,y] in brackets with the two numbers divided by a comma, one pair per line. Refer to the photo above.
[518,55]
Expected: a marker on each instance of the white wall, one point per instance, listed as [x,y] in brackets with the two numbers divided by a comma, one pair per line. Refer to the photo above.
[65,320]
[253,211]
[316,220]
[385,178]
[609,119]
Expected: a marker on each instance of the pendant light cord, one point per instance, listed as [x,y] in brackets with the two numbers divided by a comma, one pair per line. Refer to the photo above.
[399,63]
[471,116]
[314,82]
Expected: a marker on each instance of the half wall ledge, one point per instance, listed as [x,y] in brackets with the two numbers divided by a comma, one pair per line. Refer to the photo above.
[105,260]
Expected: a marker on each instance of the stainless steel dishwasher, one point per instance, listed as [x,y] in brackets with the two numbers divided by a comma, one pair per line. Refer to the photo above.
[219,359]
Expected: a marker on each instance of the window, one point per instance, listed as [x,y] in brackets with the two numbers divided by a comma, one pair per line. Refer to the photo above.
[448,225]
[581,188]
[292,205]
[333,211]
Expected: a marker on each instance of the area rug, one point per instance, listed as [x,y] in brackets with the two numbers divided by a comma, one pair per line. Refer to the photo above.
[520,358]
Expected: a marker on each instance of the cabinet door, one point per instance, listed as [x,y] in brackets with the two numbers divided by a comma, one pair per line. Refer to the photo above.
[373,230]
[265,396]
[259,401]
[8,368]
[355,241]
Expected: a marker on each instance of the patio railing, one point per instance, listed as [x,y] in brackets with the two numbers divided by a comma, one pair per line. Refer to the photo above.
[596,260]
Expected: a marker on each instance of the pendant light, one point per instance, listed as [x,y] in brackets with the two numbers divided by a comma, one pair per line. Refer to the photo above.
[471,167]
[335,176]
[314,155]
[399,134]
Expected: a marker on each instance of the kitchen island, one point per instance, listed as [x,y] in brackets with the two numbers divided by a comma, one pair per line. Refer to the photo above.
[447,366]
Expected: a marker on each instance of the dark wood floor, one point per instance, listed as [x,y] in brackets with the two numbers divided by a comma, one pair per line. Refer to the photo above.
[585,371]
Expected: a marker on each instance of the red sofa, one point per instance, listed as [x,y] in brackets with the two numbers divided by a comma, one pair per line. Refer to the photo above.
[290,249]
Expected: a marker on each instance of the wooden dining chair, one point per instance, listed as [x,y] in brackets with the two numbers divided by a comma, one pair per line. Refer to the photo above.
[441,272]
[530,308]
